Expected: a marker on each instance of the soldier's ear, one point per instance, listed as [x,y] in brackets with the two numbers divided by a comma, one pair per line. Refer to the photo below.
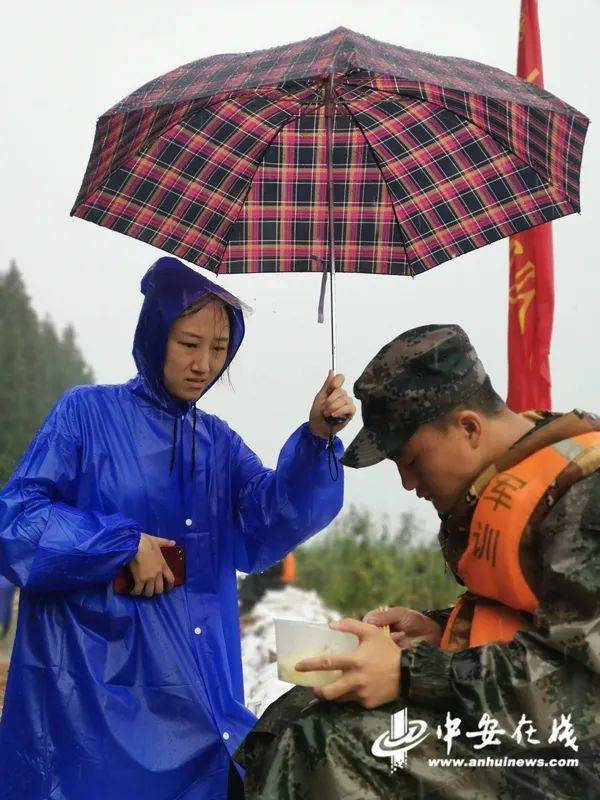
[469,423]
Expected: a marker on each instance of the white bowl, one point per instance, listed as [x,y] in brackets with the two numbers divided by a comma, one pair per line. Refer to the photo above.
[296,640]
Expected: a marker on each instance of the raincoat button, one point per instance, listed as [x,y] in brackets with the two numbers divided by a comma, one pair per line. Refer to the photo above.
[226,736]
[188,522]
[197,631]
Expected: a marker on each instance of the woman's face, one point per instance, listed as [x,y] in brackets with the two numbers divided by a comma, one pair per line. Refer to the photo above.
[196,351]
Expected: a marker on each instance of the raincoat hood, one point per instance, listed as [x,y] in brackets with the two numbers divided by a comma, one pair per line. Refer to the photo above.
[169,287]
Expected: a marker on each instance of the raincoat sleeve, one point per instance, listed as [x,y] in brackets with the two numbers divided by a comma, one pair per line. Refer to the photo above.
[47,543]
[276,510]
[552,669]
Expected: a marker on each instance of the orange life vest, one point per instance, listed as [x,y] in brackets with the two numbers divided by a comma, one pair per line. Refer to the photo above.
[491,565]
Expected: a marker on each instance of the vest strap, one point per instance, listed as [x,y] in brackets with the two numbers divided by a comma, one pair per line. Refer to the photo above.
[511,505]
[487,622]
[490,565]
[494,622]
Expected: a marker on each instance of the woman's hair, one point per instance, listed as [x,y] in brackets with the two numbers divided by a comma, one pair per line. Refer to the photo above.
[200,304]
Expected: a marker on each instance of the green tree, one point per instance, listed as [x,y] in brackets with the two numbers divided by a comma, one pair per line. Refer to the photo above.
[360,563]
[18,362]
[76,371]
[36,366]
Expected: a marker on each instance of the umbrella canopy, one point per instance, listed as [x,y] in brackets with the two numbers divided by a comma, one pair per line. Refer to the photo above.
[223,162]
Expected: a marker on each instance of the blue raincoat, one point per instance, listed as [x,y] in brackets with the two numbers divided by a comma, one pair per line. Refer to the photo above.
[112,697]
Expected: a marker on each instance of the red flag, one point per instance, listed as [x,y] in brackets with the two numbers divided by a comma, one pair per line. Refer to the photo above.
[531,287]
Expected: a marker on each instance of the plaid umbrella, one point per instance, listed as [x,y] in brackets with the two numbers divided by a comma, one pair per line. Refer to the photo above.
[225,162]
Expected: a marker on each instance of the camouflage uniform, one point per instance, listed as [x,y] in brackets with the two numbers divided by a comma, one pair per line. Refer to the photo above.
[303,749]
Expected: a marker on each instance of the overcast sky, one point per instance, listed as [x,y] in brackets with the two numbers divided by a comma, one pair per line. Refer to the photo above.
[67,62]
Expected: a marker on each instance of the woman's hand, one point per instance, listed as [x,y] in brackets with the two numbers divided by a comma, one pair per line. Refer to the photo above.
[407,626]
[150,571]
[331,401]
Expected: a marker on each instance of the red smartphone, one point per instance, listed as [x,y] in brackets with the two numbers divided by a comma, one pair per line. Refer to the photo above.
[175,558]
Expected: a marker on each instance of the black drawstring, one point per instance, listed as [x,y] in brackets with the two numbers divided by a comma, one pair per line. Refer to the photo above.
[194,444]
[332,459]
[173,445]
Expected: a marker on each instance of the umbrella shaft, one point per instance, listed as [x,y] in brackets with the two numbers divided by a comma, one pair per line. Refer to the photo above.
[329,117]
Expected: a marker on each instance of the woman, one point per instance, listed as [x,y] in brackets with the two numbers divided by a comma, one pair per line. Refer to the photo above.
[113,696]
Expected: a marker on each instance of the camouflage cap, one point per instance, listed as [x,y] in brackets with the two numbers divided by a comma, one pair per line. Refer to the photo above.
[416,377]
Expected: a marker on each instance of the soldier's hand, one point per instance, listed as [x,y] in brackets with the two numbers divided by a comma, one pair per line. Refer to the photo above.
[150,571]
[331,401]
[406,625]
[370,675]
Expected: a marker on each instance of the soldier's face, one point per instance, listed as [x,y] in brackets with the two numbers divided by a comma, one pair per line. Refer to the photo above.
[440,464]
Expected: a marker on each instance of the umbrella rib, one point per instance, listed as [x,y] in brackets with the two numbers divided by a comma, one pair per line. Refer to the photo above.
[259,162]
[500,142]
[561,195]
[376,160]
[128,154]
[239,94]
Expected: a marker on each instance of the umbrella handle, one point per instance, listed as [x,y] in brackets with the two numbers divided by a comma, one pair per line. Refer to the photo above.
[329,117]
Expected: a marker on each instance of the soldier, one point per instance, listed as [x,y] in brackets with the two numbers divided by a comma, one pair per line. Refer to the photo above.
[515,662]
[255,585]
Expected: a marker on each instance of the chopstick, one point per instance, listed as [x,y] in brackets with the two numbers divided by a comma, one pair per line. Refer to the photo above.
[384,628]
